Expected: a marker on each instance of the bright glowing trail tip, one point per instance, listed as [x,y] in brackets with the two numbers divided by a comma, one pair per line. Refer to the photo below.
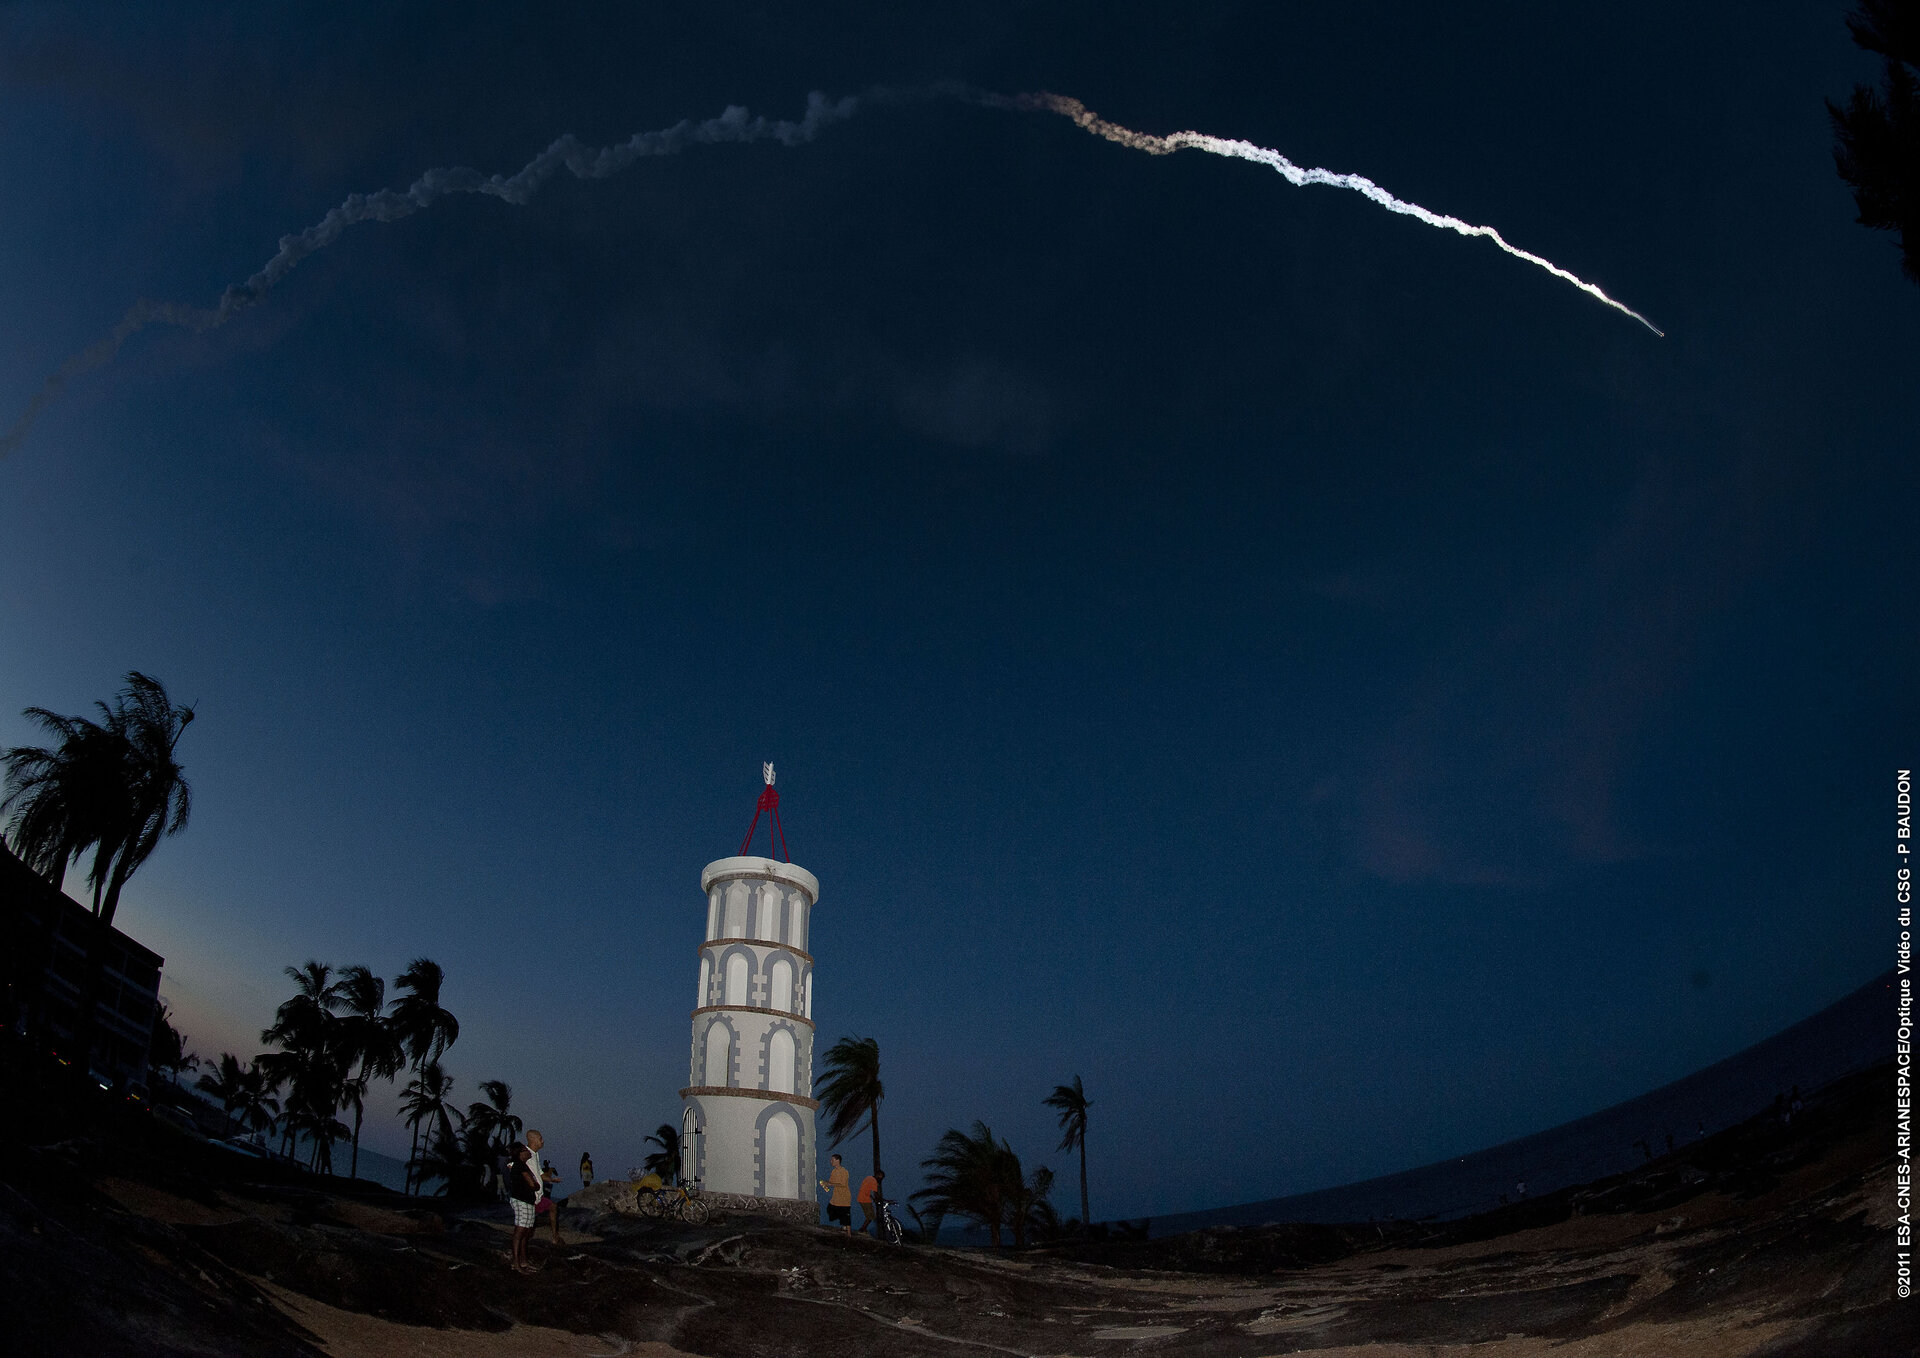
[1299,178]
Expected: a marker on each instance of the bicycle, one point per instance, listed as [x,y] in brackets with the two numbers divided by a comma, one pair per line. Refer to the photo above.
[889,1224]
[681,1202]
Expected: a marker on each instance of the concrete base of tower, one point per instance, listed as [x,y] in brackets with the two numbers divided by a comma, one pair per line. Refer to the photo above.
[617,1196]
[750,1144]
[795,1210]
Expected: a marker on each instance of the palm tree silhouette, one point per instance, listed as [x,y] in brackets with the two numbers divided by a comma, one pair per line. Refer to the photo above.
[428,1100]
[112,786]
[491,1128]
[1877,135]
[149,727]
[168,1049]
[315,997]
[850,1089]
[366,1042]
[311,1059]
[65,798]
[242,1091]
[981,1178]
[1072,1101]
[257,1107]
[425,1030]
[666,1161]
[225,1082]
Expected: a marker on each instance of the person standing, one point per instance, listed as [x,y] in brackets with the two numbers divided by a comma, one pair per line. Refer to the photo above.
[869,1186]
[586,1170]
[839,1199]
[545,1175]
[523,1191]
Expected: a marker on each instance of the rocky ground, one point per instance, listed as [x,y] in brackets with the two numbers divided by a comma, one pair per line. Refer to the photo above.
[1767,1240]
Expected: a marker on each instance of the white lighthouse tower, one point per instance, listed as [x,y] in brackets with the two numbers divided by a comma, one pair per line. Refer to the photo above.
[747,1125]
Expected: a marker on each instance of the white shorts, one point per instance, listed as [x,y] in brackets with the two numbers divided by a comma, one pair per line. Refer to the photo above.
[522,1213]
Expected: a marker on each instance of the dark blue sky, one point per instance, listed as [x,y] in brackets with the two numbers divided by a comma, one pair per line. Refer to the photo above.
[1344,693]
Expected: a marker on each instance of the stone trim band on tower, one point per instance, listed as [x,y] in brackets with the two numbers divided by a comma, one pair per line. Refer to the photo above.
[751,1009]
[700,1091]
[804,956]
[792,874]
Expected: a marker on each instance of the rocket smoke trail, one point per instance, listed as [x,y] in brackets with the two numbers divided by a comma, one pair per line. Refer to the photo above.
[389,205]
[1241,150]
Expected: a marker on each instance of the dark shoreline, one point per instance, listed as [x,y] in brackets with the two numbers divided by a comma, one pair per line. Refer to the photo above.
[124,1238]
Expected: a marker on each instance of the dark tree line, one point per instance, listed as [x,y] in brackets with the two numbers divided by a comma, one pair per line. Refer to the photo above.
[970,1174]
[105,791]
[1877,133]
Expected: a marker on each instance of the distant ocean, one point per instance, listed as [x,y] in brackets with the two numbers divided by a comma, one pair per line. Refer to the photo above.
[373,1167]
[1849,1036]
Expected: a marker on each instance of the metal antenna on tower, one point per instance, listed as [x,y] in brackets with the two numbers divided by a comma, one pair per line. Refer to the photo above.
[776,834]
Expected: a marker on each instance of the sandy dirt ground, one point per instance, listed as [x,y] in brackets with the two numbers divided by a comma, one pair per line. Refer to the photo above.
[1765,1242]
[348,1334]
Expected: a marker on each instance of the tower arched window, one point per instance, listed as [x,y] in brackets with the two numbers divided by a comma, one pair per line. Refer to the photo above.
[780,1154]
[735,924]
[736,978]
[719,1071]
[706,981]
[780,1060]
[780,986]
[768,924]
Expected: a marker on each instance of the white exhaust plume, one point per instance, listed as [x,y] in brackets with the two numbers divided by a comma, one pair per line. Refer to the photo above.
[389,205]
[734,125]
[1299,178]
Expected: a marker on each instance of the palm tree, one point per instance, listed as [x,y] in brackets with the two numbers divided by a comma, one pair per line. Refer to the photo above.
[364,1040]
[1877,135]
[491,1127]
[158,799]
[311,1059]
[1028,1210]
[65,798]
[449,1156]
[226,1082]
[243,1091]
[1072,1101]
[851,1090]
[256,1104]
[967,1175]
[428,1100]
[168,1049]
[315,997]
[981,1178]
[277,1072]
[424,1029]
[112,786]
[666,1161]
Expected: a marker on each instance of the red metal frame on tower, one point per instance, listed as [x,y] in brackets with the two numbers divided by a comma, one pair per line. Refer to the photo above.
[769,801]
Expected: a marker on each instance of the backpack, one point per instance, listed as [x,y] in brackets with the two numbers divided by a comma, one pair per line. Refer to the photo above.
[521,1183]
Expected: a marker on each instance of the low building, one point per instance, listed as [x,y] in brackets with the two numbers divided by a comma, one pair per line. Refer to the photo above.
[44,976]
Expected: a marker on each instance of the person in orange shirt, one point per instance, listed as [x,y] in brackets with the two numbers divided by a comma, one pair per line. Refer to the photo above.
[839,1200]
[869,1186]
